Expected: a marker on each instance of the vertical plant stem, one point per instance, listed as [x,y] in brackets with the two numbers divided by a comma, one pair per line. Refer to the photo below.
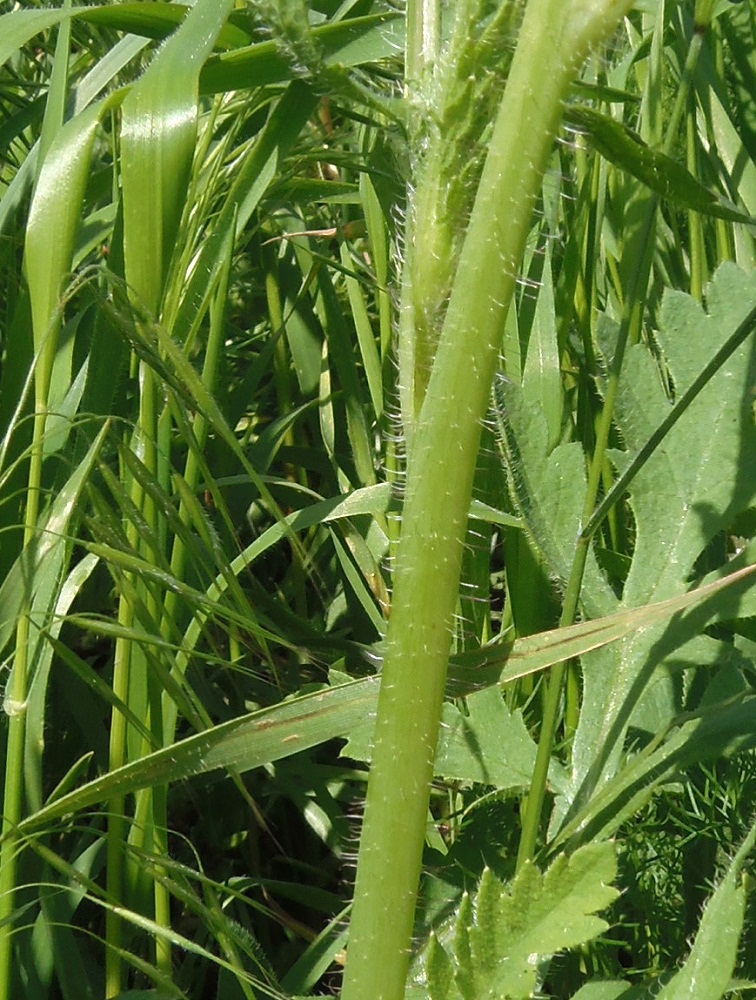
[14,706]
[15,696]
[116,808]
[554,38]
[123,667]
[192,471]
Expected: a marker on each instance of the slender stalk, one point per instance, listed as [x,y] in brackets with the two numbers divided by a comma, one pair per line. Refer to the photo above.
[191,476]
[555,36]
[116,809]
[413,354]
[123,686]
[15,708]
[629,331]
[16,694]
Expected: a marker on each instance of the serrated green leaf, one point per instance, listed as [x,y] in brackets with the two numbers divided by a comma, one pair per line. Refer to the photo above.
[501,937]
[439,971]
[689,489]
[464,972]
[548,490]
[488,744]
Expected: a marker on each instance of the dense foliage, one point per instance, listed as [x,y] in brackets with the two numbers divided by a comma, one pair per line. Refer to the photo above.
[250,253]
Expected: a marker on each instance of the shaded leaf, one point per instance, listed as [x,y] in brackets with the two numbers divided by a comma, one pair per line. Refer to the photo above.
[691,488]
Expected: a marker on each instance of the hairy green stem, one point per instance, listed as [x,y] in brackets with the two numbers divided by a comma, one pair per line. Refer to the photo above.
[554,39]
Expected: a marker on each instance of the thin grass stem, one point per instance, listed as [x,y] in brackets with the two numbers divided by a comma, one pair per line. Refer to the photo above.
[629,332]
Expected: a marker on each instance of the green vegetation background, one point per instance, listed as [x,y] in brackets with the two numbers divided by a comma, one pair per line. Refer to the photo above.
[224,262]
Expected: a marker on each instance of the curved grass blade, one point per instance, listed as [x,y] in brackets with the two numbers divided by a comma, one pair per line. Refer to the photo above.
[148,20]
[158,135]
[277,732]
[664,176]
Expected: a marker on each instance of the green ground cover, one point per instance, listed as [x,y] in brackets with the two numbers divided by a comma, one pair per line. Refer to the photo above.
[377,475]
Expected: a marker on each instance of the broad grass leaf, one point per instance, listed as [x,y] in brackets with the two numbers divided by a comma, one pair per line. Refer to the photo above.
[149,20]
[243,743]
[18,26]
[274,733]
[158,133]
[54,217]
[505,661]
[100,77]
[497,942]
[157,21]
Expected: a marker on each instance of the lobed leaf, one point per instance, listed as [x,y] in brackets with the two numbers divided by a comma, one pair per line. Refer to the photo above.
[689,489]
[496,944]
